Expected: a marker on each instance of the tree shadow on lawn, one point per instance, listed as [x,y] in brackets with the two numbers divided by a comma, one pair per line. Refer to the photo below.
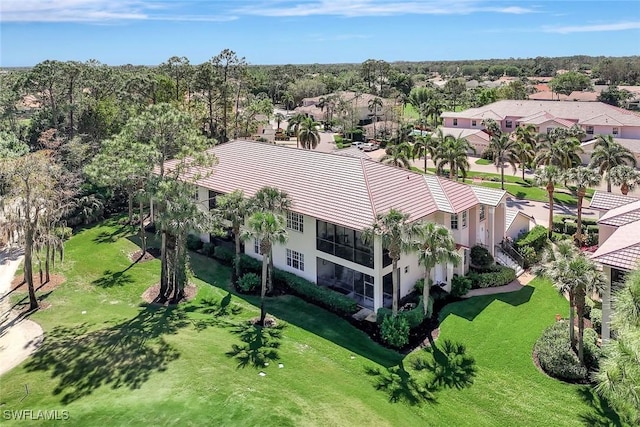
[113,236]
[471,307]
[260,344]
[122,355]
[602,414]
[446,366]
[110,278]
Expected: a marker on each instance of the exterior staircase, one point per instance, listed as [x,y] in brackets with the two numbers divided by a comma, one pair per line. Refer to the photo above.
[507,260]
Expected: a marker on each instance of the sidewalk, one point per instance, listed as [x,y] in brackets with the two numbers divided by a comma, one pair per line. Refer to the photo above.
[19,337]
[514,286]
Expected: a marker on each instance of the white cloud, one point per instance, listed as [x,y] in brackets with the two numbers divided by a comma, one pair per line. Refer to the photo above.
[619,26]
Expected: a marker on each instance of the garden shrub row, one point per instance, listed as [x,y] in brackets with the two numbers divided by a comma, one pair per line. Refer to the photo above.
[531,245]
[503,276]
[481,257]
[460,286]
[224,254]
[585,221]
[414,317]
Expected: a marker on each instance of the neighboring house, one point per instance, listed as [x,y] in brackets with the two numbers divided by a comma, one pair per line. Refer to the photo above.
[477,138]
[618,244]
[596,118]
[547,95]
[633,145]
[517,223]
[359,102]
[335,197]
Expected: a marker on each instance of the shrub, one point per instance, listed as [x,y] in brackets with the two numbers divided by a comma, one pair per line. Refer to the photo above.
[419,286]
[438,294]
[555,355]
[529,255]
[249,265]
[504,276]
[249,282]
[596,319]
[224,255]
[208,249]
[536,238]
[338,139]
[414,317]
[591,239]
[481,257]
[194,243]
[395,331]
[460,285]
[308,291]
[592,352]
[63,233]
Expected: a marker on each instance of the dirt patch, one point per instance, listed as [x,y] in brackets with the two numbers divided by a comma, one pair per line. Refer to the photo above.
[269,322]
[150,295]
[20,285]
[150,254]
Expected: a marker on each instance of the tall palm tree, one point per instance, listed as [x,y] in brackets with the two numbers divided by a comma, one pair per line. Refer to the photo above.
[374,105]
[234,207]
[525,145]
[424,146]
[435,246]
[397,155]
[504,150]
[626,177]
[434,109]
[268,229]
[548,176]
[279,117]
[294,125]
[308,134]
[453,151]
[287,100]
[583,178]
[607,154]
[398,236]
[270,199]
[558,148]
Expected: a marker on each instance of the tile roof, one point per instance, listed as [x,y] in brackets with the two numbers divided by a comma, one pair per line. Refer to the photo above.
[576,111]
[578,95]
[601,120]
[621,249]
[622,215]
[488,196]
[352,152]
[344,190]
[602,200]
[543,117]
[547,96]
[465,133]
[510,216]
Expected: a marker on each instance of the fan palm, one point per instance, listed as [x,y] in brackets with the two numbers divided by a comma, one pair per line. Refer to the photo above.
[287,100]
[583,178]
[294,125]
[374,105]
[435,246]
[607,154]
[234,207]
[267,228]
[558,148]
[397,155]
[398,236]
[504,150]
[548,177]
[626,177]
[525,145]
[424,146]
[279,117]
[308,134]
[453,151]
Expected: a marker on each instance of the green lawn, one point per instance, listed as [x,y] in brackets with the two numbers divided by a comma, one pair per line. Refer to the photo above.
[110,360]
[483,162]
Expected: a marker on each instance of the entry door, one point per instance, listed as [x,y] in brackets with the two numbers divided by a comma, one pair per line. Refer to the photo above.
[482,238]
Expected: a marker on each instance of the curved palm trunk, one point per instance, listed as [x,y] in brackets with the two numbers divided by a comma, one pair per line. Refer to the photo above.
[425,161]
[502,176]
[624,189]
[28,269]
[608,182]
[236,270]
[581,193]
[426,290]
[263,290]
[580,303]
[572,316]
[270,272]
[394,281]
[550,189]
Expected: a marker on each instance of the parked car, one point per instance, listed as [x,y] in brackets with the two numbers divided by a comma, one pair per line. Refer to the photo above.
[357,144]
[369,146]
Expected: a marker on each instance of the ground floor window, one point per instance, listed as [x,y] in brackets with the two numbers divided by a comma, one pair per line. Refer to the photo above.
[295,260]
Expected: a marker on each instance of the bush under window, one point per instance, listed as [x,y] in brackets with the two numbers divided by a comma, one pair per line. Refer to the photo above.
[481,257]
[395,331]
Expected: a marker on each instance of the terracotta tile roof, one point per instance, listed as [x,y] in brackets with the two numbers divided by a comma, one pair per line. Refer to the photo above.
[601,120]
[352,152]
[622,215]
[544,117]
[489,196]
[487,115]
[621,249]
[602,200]
[548,96]
[450,196]
[583,96]
[465,133]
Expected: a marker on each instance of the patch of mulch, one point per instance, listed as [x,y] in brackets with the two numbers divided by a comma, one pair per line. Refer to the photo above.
[150,254]
[150,295]
[269,322]
[19,284]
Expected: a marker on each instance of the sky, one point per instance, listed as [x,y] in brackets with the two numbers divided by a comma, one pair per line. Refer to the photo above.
[148,32]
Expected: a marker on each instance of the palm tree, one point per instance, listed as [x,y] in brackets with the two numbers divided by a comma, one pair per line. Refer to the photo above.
[583,177]
[558,148]
[397,155]
[434,109]
[453,151]
[398,236]
[608,154]
[374,105]
[287,100]
[270,199]
[436,246]
[525,145]
[626,177]
[268,229]
[308,134]
[294,125]
[548,176]
[504,150]
[279,117]
[424,146]
[234,207]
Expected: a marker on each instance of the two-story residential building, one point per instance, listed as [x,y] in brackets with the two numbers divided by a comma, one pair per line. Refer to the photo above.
[357,102]
[618,244]
[334,198]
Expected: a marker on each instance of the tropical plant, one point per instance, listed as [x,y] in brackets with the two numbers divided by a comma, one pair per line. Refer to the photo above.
[396,155]
[548,176]
[267,228]
[558,147]
[626,177]
[607,154]
[308,134]
[435,245]
[374,105]
[287,100]
[453,151]
[525,145]
[234,207]
[398,236]
[279,118]
[504,151]
[583,178]
[294,125]
[424,145]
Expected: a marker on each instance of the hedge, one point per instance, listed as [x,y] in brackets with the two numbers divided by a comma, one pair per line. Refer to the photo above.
[536,238]
[481,257]
[224,254]
[250,265]
[503,277]
[414,317]
[460,286]
[194,243]
[574,218]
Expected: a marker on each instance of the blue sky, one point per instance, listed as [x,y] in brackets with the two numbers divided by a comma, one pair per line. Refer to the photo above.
[312,31]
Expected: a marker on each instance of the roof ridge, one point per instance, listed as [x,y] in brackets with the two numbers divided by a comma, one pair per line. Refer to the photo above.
[445,193]
[365,174]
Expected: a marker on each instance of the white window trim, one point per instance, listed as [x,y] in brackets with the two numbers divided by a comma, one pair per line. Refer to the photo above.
[482,214]
[465,219]
[454,219]
[295,260]
[256,247]
[295,221]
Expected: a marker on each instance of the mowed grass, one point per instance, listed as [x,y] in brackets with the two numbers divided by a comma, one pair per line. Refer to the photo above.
[109,359]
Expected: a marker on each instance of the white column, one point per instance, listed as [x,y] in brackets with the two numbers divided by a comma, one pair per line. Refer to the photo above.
[377,277]
[606,306]
[492,228]
[449,275]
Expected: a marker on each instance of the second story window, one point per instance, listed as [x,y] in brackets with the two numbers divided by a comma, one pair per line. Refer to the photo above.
[295,221]
[455,122]
[483,212]
[473,123]
[464,219]
[615,131]
[454,221]
[508,124]
[589,130]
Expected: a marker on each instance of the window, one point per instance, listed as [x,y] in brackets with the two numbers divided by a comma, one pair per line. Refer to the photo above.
[295,221]
[406,269]
[256,247]
[295,260]
[615,131]
[454,221]
[508,124]
[483,212]
[455,122]
[344,243]
[473,123]
[589,130]
[464,219]
[549,130]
